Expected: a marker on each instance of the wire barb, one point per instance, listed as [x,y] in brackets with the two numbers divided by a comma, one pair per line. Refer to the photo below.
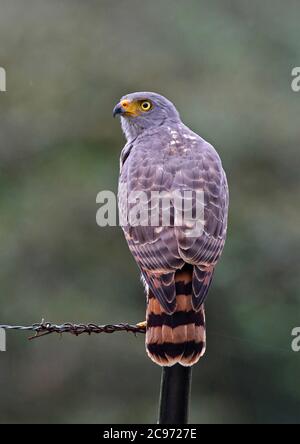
[46,328]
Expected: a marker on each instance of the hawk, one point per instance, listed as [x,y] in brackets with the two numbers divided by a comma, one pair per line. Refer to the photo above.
[162,155]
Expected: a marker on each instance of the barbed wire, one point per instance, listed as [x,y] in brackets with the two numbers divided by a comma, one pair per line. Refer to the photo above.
[45,328]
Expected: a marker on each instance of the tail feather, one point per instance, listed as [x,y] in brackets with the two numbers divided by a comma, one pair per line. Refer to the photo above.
[178,337]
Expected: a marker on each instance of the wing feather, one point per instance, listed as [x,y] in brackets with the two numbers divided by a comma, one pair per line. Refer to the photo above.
[153,163]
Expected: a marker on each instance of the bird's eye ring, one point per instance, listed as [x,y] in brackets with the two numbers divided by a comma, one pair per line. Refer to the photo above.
[146,105]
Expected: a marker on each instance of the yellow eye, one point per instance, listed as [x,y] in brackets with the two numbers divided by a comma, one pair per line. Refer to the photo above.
[146,105]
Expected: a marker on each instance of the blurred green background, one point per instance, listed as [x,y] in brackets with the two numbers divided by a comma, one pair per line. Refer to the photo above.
[227,66]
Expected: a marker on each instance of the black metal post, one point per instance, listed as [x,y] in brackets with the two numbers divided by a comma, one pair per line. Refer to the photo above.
[175,395]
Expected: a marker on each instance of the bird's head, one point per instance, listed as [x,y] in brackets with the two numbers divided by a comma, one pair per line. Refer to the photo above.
[142,111]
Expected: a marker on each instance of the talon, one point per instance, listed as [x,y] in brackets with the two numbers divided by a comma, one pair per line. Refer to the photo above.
[142,324]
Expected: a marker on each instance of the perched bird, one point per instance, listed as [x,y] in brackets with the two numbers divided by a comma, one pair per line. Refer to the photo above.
[176,262]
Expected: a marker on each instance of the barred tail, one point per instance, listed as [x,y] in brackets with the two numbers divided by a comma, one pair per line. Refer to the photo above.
[179,337]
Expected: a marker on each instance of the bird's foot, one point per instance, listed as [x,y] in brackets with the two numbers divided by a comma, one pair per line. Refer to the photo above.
[142,324]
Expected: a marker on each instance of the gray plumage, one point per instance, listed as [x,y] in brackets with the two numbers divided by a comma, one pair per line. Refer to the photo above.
[163,154]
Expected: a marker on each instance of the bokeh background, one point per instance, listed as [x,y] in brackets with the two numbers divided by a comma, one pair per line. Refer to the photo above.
[227,66]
